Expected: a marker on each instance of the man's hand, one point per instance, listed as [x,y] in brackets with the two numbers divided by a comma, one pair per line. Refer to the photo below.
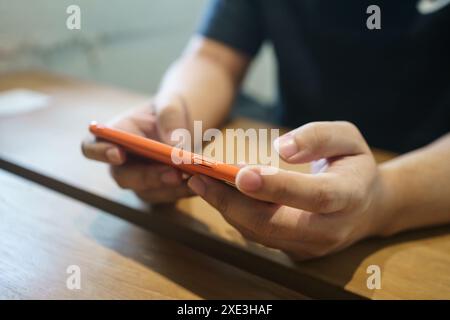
[305,215]
[152,182]
[206,76]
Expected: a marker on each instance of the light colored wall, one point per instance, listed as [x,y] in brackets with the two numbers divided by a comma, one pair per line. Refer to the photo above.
[127,43]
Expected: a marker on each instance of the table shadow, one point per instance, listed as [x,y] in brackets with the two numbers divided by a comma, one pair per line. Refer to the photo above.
[189,268]
[319,278]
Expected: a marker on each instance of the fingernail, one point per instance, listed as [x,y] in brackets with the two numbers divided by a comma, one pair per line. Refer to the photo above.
[113,155]
[170,178]
[249,180]
[285,146]
[197,185]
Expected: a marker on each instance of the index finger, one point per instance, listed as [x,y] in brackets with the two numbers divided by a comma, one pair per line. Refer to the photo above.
[269,224]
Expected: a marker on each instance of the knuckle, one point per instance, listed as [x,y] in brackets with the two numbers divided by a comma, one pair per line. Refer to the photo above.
[323,198]
[349,125]
[222,204]
[317,136]
[354,195]
[262,228]
[354,131]
[132,177]
[117,174]
[321,133]
[181,191]
[280,192]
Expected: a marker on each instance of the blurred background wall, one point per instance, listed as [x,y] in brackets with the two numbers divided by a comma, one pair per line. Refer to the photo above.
[128,43]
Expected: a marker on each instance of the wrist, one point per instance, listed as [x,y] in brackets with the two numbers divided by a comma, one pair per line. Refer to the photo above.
[387,212]
[171,100]
[171,111]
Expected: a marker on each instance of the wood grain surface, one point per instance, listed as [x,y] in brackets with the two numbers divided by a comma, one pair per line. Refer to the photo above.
[43,233]
[414,265]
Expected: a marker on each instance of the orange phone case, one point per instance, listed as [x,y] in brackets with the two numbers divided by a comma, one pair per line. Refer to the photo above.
[161,152]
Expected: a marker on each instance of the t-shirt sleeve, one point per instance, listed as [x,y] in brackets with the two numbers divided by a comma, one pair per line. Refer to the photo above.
[235,23]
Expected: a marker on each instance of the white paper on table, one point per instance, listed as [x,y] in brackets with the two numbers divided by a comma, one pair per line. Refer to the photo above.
[19,101]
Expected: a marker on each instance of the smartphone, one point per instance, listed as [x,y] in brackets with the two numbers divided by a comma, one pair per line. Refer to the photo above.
[186,161]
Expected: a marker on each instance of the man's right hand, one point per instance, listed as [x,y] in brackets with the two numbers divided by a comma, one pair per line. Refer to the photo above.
[151,181]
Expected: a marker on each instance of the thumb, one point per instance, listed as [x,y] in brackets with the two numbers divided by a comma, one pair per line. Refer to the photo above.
[171,114]
[317,140]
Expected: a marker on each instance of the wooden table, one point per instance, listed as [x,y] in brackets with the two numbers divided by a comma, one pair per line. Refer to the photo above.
[46,150]
[43,233]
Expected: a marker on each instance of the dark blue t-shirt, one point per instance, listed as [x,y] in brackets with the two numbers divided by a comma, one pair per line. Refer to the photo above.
[393,83]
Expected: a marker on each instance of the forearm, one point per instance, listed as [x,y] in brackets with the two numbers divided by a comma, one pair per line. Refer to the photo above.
[206,77]
[417,188]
